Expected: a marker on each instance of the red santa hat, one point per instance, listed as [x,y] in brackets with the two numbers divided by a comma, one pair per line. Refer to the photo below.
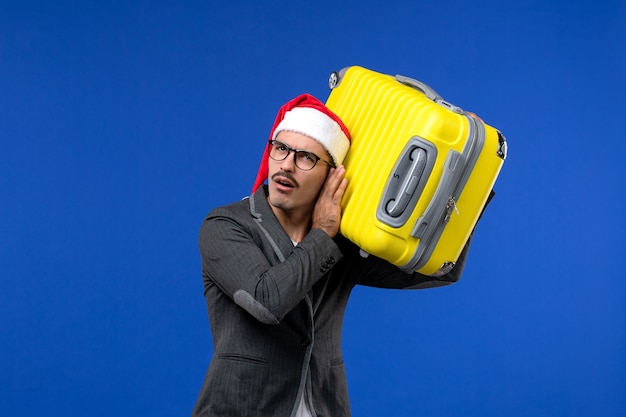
[307,115]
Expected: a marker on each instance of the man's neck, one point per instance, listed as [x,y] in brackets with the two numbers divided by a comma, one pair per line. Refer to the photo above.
[296,224]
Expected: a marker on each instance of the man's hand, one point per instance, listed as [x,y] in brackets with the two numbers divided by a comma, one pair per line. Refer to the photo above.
[327,211]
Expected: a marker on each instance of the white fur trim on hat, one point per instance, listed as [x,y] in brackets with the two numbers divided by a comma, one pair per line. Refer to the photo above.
[319,126]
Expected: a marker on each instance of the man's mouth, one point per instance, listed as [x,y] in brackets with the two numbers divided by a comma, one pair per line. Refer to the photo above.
[284,180]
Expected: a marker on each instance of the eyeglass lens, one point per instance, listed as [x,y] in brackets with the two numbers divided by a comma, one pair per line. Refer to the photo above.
[303,159]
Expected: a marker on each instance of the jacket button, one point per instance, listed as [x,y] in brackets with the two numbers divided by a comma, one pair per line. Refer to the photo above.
[327,263]
[305,342]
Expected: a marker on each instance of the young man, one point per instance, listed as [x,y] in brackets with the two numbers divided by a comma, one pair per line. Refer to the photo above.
[277,277]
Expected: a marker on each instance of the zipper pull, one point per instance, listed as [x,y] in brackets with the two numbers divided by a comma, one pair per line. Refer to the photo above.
[450,207]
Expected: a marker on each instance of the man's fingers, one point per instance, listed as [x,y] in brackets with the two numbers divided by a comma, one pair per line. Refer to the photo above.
[336,184]
[340,191]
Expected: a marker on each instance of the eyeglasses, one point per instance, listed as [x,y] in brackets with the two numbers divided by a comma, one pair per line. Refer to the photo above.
[304,160]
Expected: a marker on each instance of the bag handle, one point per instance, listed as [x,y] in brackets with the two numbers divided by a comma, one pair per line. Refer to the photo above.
[428,92]
[418,85]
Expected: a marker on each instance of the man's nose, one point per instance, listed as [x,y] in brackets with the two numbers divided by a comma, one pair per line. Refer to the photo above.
[289,163]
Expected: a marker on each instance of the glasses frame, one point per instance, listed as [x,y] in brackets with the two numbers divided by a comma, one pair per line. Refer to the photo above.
[274,142]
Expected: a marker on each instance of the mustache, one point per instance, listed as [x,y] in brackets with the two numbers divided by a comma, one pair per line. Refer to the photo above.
[286,175]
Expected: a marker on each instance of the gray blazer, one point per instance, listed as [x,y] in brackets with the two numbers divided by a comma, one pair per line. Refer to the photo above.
[276,312]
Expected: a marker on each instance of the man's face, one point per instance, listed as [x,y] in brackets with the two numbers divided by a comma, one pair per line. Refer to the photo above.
[291,188]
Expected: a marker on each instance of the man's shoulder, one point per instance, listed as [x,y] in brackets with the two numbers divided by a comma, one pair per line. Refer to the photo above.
[255,205]
[234,209]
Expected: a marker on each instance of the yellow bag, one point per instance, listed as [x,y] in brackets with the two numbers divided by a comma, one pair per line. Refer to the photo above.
[419,169]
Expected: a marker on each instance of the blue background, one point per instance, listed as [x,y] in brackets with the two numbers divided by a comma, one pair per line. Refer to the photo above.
[123,123]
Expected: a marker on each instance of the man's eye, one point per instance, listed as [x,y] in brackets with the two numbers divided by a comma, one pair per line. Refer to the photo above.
[308,157]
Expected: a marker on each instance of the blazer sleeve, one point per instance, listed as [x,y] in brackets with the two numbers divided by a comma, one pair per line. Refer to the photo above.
[376,272]
[237,259]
